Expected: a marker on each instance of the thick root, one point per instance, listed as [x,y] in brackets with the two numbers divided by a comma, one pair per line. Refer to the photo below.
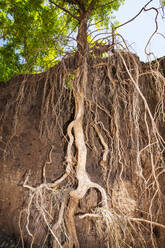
[73,240]
[84,182]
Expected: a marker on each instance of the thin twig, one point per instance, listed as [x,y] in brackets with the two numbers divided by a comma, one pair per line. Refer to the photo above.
[65,10]
[133,18]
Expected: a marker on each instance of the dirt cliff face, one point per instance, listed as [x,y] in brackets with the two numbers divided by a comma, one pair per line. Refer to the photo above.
[124,123]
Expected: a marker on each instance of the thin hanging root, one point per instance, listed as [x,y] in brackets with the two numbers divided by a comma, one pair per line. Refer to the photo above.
[60,220]
[117,228]
[38,191]
[155,129]
[106,150]
[69,156]
[47,163]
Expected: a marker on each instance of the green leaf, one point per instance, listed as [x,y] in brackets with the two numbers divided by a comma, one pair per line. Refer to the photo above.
[34,33]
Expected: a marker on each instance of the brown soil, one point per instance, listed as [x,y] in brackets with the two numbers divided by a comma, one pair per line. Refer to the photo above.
[35,111]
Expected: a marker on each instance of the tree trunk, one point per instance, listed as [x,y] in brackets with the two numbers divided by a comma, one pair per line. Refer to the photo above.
[82,44]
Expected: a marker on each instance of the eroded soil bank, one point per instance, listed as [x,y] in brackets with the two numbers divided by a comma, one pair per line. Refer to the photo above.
[124,128]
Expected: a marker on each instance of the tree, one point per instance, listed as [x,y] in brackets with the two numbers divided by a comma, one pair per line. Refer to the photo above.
[75,16]
[39,31]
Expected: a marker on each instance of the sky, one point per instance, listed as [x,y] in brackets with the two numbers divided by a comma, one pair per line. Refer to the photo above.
[138,32]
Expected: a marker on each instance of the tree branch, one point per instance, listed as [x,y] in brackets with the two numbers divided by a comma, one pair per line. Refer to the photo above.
[65,10]
[133,18]
[73,2]
[76,2]
[104,5]
[156,28]
[91,6]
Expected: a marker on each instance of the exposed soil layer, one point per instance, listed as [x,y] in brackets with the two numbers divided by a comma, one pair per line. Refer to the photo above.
[124,108]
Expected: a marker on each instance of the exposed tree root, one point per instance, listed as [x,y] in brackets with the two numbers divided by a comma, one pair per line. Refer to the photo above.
[121,226]
[73,240]
[84,182]
[123,128]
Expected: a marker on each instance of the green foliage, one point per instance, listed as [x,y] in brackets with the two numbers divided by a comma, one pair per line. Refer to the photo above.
[104,11]
[9,62]
[163,3]
[30,30]
[34,33]
[69,81]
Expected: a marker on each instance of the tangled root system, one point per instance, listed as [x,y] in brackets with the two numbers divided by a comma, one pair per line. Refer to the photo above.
[118,123]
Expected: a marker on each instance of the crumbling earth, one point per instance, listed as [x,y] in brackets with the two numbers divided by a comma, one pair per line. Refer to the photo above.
[123,195]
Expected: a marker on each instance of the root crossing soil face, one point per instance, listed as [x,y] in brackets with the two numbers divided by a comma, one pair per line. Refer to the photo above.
[82,164]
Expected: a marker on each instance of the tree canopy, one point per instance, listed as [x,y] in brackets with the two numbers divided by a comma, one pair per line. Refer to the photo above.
[34,34]
[98,122]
